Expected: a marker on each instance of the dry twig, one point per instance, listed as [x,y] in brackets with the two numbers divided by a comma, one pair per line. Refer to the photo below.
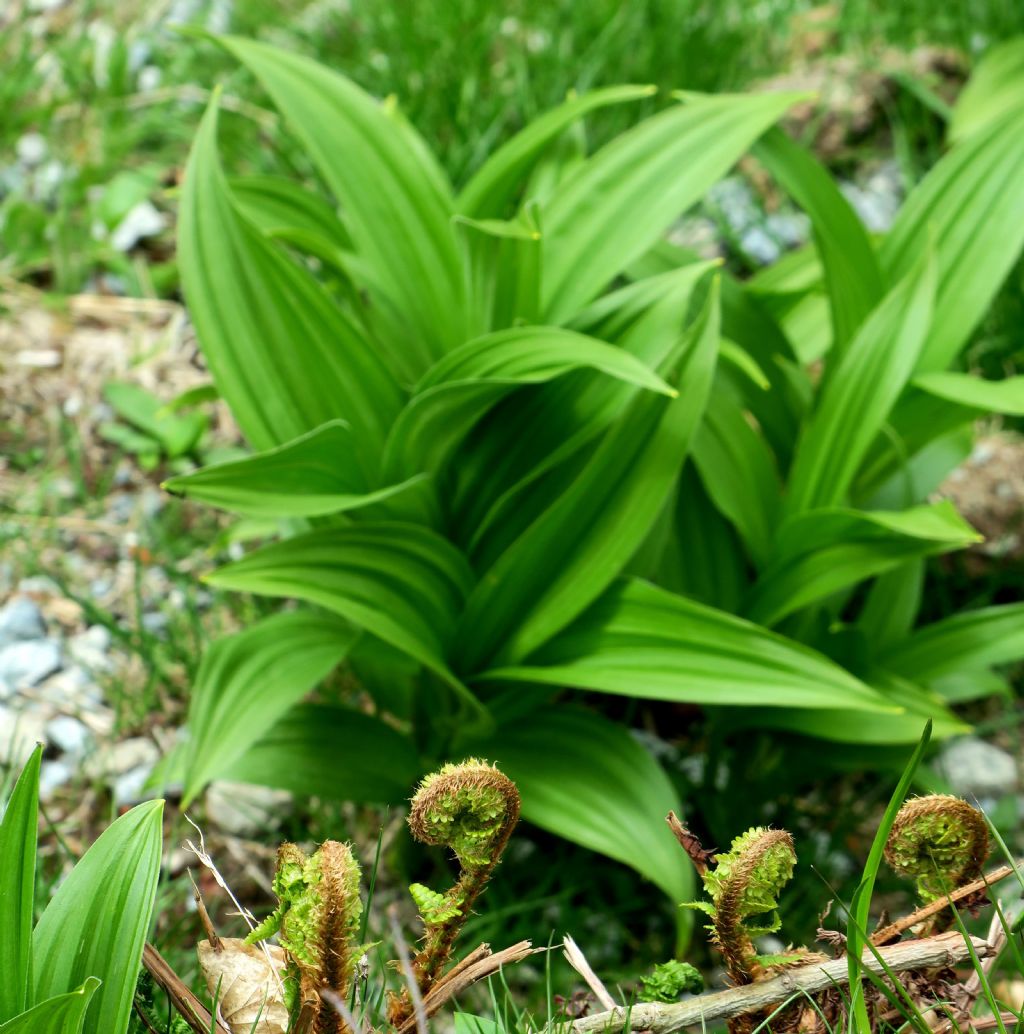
[948,949]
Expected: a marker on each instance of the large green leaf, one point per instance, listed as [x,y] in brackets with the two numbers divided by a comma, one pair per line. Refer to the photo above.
[247,681]
[852,275]
[282,208]
[991,635]
[469,381]
[643,641]
[572,552]
[283,354]
[842,725]
[996,86]
[1005,396]
[317,473]
[62,1014]
[617,204]
[393,196]
[859,394]
[402,582]
[822,552]
[892,604]
[971,205]
[738,470]
[96,923]
[496,184]
[334,752]
[18,841]
[588,780]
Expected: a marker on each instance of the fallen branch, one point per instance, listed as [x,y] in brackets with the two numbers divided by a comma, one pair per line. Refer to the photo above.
[948,949]
[887,933]
[194,1013]
[464,976]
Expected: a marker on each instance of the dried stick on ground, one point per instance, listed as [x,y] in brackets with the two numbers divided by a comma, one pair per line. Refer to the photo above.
[194,1013]
[948,949]
[887,933]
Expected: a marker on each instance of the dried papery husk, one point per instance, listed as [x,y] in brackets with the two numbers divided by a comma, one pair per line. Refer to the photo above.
[247,985]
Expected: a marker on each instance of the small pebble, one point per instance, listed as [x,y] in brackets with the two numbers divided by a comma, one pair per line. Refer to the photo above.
[52,776]
[246,810]
[975,768]
[20,731]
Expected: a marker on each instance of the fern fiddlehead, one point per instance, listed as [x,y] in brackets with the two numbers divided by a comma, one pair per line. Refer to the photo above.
[472,809]
[317,917]
[940,841]
[744,884]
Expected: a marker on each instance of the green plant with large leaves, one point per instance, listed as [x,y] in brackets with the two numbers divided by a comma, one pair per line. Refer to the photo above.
[74,971]
[519,444]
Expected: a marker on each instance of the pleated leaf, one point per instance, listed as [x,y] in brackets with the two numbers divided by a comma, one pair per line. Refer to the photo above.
[394,199]
[62,1014]
[402,582]
[496,185]
[617,204]
[247,681]
[1005,396]
[820,553]
[587,779]
[859,394]
[972,204]
[639,640]
[996,86]
[280,207]
[96,923]
[574,550]
[738,470]
[469,381]
[18,842]
[335,752]
[852,274]
[283,354]
[841,725]
[316,474]
[977,638]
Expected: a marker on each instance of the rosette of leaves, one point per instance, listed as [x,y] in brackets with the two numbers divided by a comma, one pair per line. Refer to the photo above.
[509,441]
[317,920]
[744,885]
[940,841]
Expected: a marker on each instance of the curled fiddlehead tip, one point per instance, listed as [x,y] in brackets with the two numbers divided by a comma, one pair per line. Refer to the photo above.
[744,884]
[470,807]
[939,840]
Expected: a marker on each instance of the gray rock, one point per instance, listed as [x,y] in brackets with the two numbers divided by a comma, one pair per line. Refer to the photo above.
[91,648]
[155,622]
[122,758]
[69,735]
[756,243]
[28,662]
[245,810]
[20,731]
[21,619]
[32,149]
[52,776]
[975,768]
[129,787]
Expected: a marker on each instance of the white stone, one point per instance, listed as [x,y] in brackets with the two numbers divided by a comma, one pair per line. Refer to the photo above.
[245,810]
[29,662]
[143,220]
[975,768]
[32,149]
[90,648]
[69,735]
